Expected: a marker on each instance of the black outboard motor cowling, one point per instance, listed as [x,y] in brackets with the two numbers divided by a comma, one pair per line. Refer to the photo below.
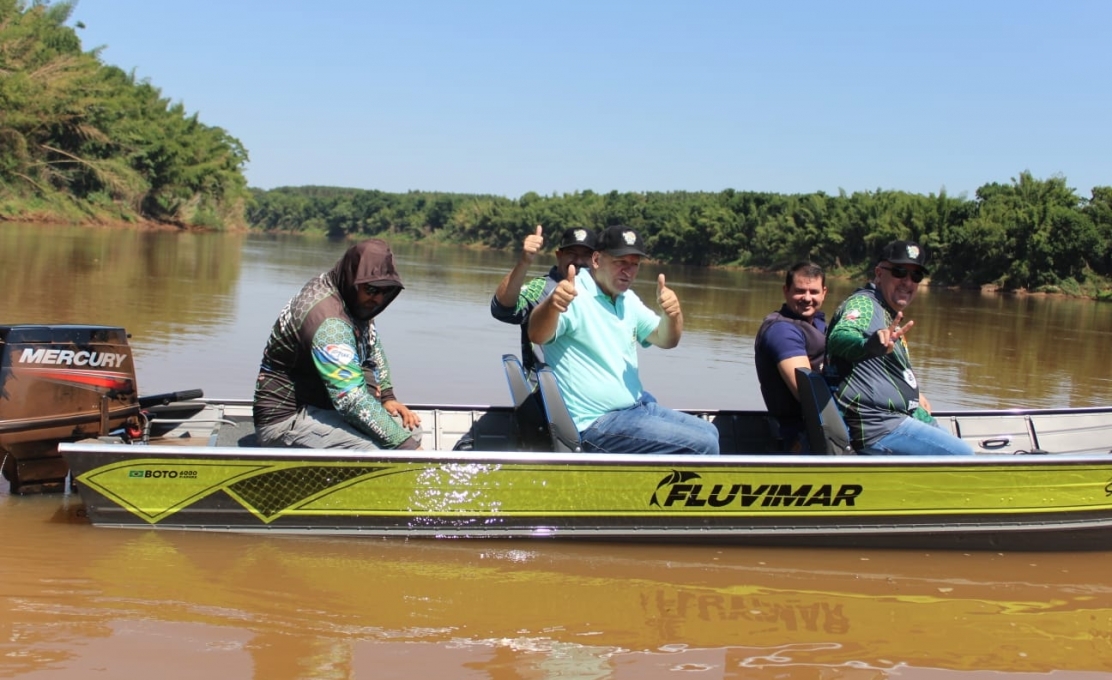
[60,383]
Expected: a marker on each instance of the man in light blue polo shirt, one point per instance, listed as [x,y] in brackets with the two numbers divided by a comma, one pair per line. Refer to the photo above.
[590,327]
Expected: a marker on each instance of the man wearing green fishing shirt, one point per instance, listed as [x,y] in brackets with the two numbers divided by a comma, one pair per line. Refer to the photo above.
[513,302]
[869,367]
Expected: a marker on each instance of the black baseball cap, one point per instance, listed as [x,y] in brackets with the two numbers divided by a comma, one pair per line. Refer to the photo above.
[619,240]
[578,236]
[905,252]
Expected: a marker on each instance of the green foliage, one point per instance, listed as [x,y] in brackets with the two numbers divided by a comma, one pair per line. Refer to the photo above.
[73,130]
[1030,234]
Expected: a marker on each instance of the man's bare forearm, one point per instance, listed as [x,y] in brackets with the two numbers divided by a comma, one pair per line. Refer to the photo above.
[509,288]
[543,322]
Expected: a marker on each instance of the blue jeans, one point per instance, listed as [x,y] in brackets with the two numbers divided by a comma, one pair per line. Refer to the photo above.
[648,427]
[916,438]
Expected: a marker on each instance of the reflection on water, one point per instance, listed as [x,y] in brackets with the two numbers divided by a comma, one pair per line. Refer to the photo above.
[79,600]
[200,306]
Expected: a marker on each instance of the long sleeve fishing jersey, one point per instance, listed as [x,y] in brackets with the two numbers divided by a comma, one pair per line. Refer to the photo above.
[322,354]
[875,389]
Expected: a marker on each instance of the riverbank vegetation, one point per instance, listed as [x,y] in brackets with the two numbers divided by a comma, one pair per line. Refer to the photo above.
[1029,234]
[81,141]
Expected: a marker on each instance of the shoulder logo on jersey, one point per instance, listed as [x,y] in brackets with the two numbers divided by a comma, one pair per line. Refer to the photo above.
[853,315]
[339,354]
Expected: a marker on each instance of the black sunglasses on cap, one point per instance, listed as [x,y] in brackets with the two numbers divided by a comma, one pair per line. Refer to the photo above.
[372,290]
[904,272]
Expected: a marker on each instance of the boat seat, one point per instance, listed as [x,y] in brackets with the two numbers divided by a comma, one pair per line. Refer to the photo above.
[826,430]
[564,435]
[529,418]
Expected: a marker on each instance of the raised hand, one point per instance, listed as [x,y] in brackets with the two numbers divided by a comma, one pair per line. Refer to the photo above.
[532,245]
[889,336]
[564,292]
[666,298]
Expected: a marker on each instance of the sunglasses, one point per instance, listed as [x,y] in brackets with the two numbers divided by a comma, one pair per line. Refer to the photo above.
[372,290]
[903,273]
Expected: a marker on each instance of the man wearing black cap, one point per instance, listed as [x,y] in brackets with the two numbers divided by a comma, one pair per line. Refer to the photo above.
[590,327]
[868,364]
[513,303]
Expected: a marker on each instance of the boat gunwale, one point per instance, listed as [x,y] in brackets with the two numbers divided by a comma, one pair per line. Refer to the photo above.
[950,413]
[1009,460]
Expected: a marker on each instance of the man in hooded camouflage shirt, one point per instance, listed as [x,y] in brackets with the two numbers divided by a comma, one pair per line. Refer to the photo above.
[324,381]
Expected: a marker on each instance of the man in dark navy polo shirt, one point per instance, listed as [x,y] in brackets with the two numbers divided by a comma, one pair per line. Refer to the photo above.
[790,338]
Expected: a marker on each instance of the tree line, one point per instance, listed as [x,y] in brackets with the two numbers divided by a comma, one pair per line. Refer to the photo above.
[82,140]
[1032,234]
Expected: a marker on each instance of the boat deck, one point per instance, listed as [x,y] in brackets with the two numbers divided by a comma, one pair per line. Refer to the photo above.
[483,428]
[228,423]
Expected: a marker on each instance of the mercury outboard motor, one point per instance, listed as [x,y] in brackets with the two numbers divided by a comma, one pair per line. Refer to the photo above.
[64,383]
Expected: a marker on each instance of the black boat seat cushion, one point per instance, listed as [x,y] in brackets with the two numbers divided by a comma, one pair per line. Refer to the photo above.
[826,431]
[520,390]
[564,435]
[529,418]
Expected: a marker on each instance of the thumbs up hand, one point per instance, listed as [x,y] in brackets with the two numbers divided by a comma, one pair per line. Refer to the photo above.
[565,291]
[666,298]
[532,245]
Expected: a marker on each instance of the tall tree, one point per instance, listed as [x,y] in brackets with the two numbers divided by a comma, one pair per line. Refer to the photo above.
[77,132]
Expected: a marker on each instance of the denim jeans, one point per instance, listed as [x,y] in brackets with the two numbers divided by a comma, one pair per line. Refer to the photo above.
[648,427]
[916,438]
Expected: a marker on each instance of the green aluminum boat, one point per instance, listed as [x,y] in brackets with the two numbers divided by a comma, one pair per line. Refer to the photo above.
[71,418]
[477,482]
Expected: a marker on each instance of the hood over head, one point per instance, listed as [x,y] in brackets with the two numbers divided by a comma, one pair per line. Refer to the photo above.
[365,262]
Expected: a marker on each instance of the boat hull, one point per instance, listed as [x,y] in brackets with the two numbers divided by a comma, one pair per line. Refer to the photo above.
[1034,502]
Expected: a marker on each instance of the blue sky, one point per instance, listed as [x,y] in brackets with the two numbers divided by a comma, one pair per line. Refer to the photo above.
[505,97]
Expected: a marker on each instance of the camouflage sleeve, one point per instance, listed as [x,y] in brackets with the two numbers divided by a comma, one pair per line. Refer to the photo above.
[849,337]
[530,296]
[381,368]
[337,363]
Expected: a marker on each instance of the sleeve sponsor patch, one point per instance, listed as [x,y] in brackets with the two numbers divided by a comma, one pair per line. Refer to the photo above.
[339,354]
